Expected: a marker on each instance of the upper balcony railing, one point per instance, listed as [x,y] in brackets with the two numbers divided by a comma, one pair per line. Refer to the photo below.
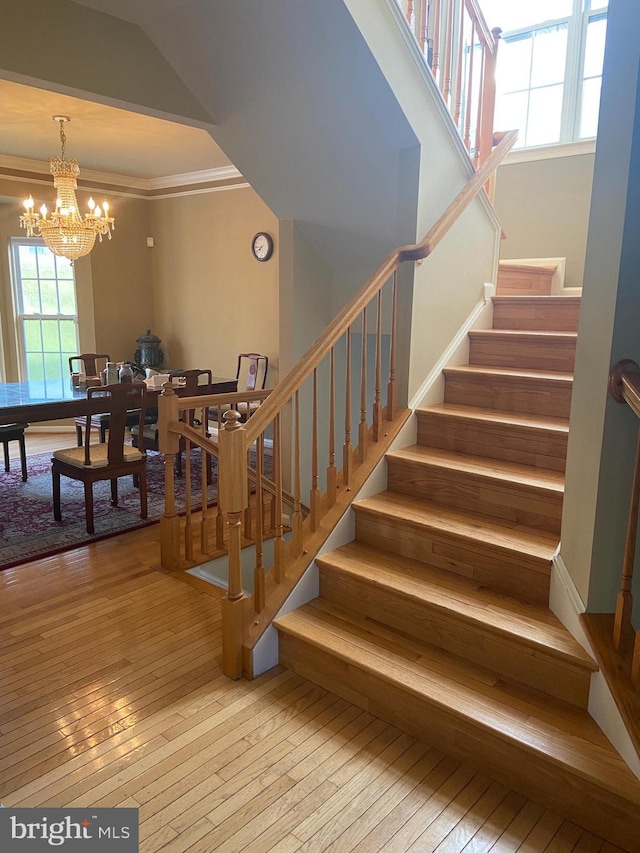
[461,51]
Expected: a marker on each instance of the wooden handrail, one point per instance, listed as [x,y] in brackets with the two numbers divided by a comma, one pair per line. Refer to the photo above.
[487,36]
[285,389]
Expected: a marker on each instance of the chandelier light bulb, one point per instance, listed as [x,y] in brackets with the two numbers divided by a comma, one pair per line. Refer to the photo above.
[91,204]
[28,203]
[43,211]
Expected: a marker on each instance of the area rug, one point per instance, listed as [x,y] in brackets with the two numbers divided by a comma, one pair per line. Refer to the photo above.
[28,530]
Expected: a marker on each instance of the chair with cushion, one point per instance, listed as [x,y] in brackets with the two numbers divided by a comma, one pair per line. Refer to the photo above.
[107,460]
[14,432]
[251,374]
[92,363]
[191,384]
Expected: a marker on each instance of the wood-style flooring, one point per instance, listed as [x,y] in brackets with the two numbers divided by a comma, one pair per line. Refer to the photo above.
[112,695]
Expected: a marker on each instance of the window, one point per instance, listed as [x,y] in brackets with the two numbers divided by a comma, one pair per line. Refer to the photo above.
[45,311]
[549,68]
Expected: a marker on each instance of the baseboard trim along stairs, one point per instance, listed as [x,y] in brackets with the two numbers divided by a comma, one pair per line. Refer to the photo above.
[436,616]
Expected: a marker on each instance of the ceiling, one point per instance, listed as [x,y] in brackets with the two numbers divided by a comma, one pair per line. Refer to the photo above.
[101,138]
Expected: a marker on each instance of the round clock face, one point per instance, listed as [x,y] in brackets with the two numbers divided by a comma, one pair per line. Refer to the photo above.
[262,246]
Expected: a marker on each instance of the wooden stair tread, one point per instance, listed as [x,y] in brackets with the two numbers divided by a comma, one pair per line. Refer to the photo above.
[547,376]
[492,469]
[532,268]
[530,623]
[525,335]
[520,419]
[484,709]
[473,527]
[535,300]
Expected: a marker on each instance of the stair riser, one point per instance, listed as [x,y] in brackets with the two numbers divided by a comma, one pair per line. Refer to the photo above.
[536,317]
[510,394]
[468,740]
[528,355]
[542,448]
[517,574]
[524,282]
[510,501]
[464,637]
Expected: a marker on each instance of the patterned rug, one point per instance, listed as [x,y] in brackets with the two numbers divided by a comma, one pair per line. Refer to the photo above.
[28,530]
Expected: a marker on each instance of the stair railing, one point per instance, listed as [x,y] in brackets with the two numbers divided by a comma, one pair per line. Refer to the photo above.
[461,52]
[624,387]
[338,381]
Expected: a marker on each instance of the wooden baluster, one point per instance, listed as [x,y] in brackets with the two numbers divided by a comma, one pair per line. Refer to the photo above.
[489,103]
[448,53]
[457,101]
[409,12]
[188,527]
[169,444]
[248,513]
[469,92]
[331,469]
[219,514]
[314,501]
[624,604]
[258,572]
[391,387]
[476,153]
[347,449]
[435,49]
[278,543]
[377,400]
[362,426]
[297,540]
[205,522]
[635,663]
[422,26]
[233,498]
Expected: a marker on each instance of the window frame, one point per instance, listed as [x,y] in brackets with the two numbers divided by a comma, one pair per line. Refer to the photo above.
[19,315]
[577,24]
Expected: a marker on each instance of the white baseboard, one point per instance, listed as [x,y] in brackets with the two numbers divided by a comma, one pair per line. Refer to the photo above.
[566,603]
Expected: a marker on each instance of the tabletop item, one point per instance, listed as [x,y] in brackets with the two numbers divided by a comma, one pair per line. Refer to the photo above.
[125,374]
[149,353]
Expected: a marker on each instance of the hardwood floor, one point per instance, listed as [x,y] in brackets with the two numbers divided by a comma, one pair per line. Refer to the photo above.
[112,695]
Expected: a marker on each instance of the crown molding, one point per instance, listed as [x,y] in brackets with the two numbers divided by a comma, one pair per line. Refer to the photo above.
[222,173]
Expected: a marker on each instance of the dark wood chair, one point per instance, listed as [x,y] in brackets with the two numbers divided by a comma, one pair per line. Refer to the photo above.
[14,432]
[107,460]
[251,374]
[191,386]
[92,364]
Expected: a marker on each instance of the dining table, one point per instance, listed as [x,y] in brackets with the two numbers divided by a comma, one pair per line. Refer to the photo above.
[58,399]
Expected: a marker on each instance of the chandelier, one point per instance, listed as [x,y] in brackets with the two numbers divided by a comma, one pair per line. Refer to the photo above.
[64,230]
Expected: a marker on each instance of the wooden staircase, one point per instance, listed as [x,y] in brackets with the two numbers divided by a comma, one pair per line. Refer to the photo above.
[436,617]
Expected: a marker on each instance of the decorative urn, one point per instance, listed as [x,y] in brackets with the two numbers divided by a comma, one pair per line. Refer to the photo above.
[149,353]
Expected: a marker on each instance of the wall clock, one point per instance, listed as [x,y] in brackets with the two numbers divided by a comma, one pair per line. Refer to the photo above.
[262,246]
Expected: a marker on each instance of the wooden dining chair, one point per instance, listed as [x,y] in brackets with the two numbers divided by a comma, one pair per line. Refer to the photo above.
[107,460]
[14,432]
[190,383]
[251,375]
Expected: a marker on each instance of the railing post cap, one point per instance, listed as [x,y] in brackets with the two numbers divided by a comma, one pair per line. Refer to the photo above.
[231,419]
[625,366]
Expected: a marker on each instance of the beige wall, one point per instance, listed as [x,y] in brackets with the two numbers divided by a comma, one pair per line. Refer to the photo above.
[113,283]
[543,207]
[212,298]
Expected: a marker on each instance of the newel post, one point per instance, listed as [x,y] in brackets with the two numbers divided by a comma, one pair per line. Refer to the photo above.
[168,443]
[234,498]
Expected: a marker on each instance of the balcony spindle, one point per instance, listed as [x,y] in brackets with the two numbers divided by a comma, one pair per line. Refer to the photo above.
[347,449]
[377,400]
[362,426]
[331,469]
[478,141]
[422,26]
[435,50]
[448,53]
[457,101]
[469,93]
